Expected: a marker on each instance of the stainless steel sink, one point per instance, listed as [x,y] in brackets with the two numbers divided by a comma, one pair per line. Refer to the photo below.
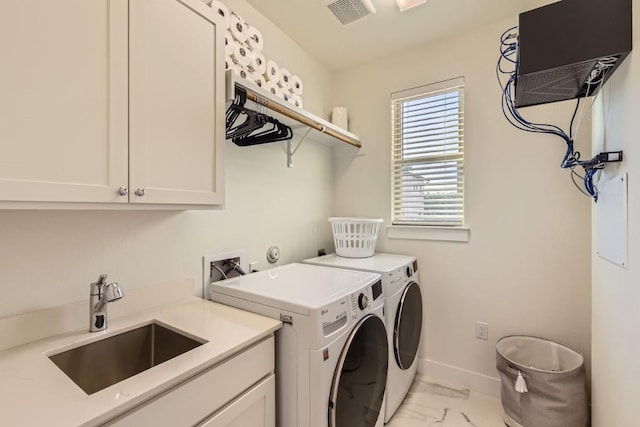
[103,363]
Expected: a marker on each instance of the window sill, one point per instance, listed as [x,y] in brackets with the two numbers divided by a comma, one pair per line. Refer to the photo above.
[422,232]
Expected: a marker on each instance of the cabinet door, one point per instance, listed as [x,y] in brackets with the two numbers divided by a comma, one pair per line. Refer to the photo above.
[176,103]
[63,100]
[197,398]
[255,408]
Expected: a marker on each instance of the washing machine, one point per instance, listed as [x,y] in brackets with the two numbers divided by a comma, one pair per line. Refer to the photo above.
[403,315]
[331,353]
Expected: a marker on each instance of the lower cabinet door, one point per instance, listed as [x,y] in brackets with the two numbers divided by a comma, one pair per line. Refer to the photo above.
[255,408]
[208,393]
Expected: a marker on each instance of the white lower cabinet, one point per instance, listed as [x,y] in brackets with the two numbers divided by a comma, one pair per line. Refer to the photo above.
[237,392]
[255,408]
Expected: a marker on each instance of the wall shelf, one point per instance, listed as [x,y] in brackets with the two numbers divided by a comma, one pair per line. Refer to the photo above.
[304,124]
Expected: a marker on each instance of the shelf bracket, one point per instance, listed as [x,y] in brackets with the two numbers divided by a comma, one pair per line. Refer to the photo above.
[291,150]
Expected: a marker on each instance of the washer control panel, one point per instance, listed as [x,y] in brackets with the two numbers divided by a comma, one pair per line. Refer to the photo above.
[404,273]
[334,316]
[397,279]
[361,302]
[409,271]
[398,275]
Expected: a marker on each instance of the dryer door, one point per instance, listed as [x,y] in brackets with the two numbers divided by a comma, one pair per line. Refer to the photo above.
[408,326]
[359,382]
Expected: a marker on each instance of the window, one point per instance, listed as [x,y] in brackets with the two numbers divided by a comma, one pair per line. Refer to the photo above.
[428,155]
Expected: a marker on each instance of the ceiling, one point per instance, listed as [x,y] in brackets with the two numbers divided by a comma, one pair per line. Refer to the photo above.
[339,46]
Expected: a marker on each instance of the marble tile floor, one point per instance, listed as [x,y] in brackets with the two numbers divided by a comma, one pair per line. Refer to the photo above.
[429,404]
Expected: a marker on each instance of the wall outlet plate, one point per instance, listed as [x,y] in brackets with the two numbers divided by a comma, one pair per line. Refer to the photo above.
[253,267]
[482,330]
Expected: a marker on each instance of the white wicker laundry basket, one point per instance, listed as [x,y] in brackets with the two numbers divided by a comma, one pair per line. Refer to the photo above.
[355,237]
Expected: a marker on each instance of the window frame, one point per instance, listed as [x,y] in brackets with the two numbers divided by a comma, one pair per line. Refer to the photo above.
[441,229]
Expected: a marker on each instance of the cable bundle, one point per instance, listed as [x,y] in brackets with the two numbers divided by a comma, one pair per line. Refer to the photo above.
[506,72]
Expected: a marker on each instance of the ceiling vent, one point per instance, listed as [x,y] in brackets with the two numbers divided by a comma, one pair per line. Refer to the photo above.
[348,11]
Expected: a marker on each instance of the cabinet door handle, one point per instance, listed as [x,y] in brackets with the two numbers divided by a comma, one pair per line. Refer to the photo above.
[123,191]
[140,192]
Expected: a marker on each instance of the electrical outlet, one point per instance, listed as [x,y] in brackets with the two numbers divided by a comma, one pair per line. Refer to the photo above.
[221,266]
[482,330]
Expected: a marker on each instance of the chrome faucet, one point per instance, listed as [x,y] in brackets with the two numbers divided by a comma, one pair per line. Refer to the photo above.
[99,295]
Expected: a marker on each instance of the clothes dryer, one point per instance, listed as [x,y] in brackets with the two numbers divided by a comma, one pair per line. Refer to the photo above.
[403,315]
[331,353]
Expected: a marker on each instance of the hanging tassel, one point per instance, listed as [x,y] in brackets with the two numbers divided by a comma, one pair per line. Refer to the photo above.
[521,384]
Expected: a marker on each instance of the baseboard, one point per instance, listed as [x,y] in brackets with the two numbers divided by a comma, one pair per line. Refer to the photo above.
[459,377]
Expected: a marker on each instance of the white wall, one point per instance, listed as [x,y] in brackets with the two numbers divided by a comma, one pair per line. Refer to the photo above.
[48,258]
[616,291]
[526,268]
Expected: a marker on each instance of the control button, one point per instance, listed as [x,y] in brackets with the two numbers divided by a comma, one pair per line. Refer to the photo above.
[363,301]
[409,271]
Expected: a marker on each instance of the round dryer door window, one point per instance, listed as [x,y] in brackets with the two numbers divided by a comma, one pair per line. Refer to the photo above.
[359,382]
[408,326]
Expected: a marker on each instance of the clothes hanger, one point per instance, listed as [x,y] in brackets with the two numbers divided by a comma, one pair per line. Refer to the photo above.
[253,122]
[246,127]
[273,131]
[235,111]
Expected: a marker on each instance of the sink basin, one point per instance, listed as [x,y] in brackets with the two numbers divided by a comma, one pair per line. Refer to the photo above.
[98,365]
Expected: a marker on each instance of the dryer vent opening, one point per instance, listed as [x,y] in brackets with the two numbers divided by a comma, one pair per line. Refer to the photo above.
[348,11]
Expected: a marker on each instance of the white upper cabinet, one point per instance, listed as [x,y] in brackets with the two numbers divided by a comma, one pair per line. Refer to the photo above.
[63,100]
[176,103]
[101,98]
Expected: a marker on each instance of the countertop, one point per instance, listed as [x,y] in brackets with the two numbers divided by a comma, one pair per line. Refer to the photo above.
[34,392]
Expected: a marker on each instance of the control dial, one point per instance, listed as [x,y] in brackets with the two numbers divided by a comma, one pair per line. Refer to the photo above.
[409,271]
[363,301]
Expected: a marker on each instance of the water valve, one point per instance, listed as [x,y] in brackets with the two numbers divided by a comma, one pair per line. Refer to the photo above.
[273,254]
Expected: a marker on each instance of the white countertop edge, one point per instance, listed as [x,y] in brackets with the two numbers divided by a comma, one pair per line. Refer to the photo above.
[28,376]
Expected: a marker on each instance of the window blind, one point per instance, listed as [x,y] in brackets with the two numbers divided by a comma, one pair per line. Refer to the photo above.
[428,154]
